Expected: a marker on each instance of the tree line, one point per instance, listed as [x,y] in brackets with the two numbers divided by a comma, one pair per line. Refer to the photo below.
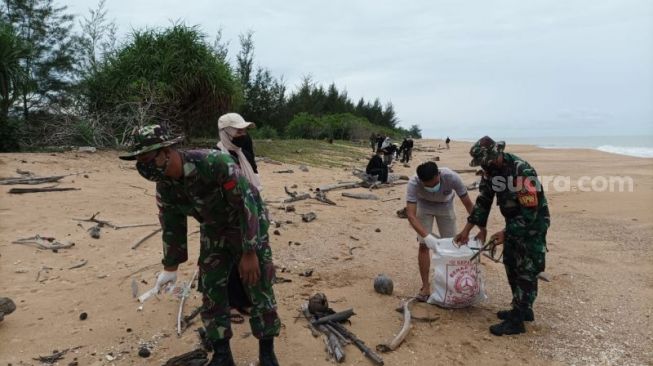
[61,86]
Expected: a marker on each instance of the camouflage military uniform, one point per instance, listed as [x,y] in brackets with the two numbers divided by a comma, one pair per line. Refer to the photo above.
[232,220]
[526,227]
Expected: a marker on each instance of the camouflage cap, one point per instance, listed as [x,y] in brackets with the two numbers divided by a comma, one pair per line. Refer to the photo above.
[485,150]
[149,138]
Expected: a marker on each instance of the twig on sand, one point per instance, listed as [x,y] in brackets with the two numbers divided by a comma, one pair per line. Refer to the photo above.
[102,223]
[143,239]
[40,190]
[184,294]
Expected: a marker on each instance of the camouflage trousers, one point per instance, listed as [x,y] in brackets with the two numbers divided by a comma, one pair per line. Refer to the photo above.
[524,254]
[220,251]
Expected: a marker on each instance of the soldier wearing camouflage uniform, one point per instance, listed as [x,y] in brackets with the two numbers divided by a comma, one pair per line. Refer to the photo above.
[208,185]
[523,205]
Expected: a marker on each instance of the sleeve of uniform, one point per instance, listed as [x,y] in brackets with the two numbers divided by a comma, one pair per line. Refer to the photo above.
[239,195]
[483,204]
[526,175]
[174,228]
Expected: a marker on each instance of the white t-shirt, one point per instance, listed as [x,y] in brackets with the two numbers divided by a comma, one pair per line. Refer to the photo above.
[450,182]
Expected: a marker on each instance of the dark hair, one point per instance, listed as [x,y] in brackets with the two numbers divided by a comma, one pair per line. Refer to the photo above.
[427,171]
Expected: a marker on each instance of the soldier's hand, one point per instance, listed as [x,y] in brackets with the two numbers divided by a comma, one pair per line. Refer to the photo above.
[165,279]
[249,269]
[482,235]
[498,237]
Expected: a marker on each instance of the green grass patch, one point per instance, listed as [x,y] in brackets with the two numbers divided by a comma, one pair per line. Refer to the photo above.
[317,153]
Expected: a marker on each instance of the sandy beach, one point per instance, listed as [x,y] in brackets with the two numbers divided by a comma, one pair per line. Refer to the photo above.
[597,309]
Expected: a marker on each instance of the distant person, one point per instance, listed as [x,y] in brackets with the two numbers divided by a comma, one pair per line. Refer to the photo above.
[406,149]
[447,141]
[389,153]
[379,141]
[429,198]
[373,141]
[234,138]
[526,211]
[376,167]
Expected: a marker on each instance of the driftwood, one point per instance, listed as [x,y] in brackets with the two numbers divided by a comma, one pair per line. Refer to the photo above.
[40,190]
[197,357]
[298,197]
[143,239]
[391,199]
[373,356]
[52,358]
[291,194]
[283,171]
[134,288]
[461,171]
[102,223]
[336,317]
[188,319]
[31,180]
[308,217]
[185,292]
[334,347]
[82,263]
[405,329]
[333,187]
[333,344]
[45,243]
[361,196]
[321,196]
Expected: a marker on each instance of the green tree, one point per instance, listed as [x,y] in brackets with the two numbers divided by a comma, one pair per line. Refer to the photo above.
[415,131]
[45,30]
[12,75]
[171,76]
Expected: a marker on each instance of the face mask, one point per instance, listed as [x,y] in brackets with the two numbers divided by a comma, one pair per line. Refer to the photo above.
[433,189]
[150,171]
[240,141]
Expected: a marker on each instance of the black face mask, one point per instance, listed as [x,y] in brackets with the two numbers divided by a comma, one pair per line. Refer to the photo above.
[241,141]
[150,171]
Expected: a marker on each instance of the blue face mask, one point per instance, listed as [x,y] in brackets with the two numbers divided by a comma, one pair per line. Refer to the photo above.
[433,189]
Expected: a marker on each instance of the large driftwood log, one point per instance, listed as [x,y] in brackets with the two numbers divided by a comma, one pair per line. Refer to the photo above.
[333,187]
[32,180]
[298,197]
[405,329]
[361,196]
[40,190]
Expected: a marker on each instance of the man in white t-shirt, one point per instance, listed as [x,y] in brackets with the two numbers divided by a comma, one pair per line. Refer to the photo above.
[429,197]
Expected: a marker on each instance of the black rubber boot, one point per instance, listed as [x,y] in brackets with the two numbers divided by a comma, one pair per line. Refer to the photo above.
[514,324]
[221,354]
[505,314]
[266,355]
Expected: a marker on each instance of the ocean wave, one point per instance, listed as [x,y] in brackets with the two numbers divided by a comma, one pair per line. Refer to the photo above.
[640,152]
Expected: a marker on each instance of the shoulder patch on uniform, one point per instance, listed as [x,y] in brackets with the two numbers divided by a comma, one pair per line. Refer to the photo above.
[229,185]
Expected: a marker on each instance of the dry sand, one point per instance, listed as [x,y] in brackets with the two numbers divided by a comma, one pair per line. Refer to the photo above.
[596,310]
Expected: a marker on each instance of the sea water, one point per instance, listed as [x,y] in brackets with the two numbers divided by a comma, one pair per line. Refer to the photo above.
[639,146]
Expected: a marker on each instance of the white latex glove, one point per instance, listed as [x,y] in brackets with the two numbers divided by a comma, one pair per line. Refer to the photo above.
[165,278]
[431,242]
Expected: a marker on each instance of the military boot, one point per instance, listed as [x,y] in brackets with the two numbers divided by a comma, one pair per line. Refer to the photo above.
[266,355]
[221,354]
[513,324]
[505,314]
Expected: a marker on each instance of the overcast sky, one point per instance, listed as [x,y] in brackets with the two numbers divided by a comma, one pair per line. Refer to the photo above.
[459,68]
